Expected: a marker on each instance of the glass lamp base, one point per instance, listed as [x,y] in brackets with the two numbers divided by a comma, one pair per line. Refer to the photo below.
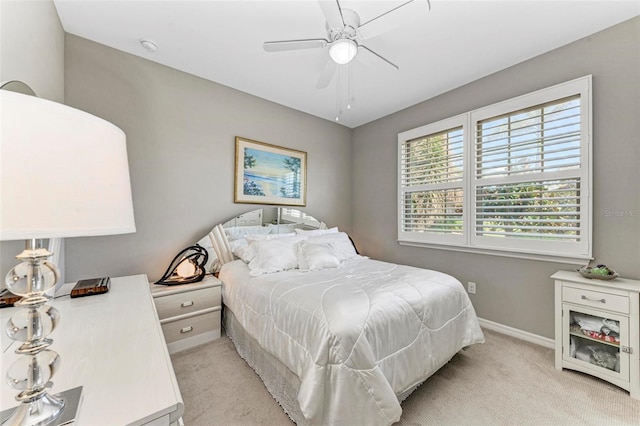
[56,410]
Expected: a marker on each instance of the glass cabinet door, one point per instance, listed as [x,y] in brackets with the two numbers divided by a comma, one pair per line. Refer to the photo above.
[597,340]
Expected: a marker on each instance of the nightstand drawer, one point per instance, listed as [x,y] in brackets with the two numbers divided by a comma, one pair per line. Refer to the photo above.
[596,299]
[187,302]
[192,326]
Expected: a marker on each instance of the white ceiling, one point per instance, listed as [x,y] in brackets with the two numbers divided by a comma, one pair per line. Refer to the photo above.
[455,43]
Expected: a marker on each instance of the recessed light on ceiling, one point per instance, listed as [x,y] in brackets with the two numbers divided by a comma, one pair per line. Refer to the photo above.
[149,45]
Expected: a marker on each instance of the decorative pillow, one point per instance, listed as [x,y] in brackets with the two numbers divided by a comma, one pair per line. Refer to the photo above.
[316,232]
[343,245]
[247,251]
[316,256]
[274,255]
[237,232]
[285,228]
[260,237]
[240,248]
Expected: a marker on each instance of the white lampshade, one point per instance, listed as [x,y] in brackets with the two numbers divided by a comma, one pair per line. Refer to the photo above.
[343,51]
[63,172]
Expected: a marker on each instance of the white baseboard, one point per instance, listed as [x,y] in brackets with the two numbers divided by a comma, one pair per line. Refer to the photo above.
[517,333]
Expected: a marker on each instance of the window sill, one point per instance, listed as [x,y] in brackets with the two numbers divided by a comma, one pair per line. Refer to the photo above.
[566,259]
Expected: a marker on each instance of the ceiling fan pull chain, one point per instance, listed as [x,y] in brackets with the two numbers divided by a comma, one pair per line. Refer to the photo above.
[344,37]
[349,85]
[338,103]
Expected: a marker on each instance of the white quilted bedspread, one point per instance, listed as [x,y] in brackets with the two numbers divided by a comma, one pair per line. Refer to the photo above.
[356,336]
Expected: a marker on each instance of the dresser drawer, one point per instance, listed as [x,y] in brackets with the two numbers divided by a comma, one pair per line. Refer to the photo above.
[192,326]
[187,302]
[596,299]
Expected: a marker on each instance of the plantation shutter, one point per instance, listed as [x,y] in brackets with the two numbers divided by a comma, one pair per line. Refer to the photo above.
[431,183]
[528,175]
[510,179]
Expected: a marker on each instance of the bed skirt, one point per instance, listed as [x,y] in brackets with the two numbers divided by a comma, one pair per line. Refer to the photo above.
[279,380]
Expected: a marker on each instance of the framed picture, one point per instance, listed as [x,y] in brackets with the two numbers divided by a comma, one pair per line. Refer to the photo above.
[269,174]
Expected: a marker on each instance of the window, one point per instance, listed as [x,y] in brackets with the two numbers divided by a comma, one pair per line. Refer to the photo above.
[512,178]
[432,178]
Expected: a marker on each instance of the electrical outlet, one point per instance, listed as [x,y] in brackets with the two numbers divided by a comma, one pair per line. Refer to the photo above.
[471,287]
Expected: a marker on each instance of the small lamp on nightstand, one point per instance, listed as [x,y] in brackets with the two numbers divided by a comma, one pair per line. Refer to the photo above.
[63,173]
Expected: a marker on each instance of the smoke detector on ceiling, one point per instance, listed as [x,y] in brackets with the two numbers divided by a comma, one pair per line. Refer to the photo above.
[149,45]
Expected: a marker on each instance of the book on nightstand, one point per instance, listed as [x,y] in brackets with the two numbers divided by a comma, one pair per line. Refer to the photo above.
[91,286]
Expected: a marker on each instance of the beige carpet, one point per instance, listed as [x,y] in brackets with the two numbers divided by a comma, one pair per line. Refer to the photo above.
[504,381]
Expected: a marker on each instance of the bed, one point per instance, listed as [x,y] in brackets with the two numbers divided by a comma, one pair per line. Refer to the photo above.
[338,339]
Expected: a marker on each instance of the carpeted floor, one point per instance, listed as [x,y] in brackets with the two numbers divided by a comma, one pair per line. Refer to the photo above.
[504,381]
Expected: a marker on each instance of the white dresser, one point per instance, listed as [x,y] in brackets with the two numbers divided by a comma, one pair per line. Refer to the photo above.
[189,313]
[112,345]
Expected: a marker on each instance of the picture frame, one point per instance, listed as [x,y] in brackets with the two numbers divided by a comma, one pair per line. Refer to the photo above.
[269,174]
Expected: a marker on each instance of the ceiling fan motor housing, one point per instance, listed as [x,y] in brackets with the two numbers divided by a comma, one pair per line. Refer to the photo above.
[349,31]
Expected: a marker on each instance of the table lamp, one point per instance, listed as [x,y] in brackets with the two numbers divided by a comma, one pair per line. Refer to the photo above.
[63,173]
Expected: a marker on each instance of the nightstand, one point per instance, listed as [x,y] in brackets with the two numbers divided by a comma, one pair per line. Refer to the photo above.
[598,328]
[189,313]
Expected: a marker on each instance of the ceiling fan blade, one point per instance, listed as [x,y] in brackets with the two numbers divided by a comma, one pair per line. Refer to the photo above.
[378,56]
[279,46]
[399,15]
[327,74]
[332,13]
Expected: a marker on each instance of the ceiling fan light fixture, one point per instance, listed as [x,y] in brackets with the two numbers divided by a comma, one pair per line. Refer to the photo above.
[343,51]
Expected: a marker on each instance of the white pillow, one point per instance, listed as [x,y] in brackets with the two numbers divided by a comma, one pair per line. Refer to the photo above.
[316,256]
[240,248]
[274,255]
[316,232]
[247,251]
[258,237]
[237,232]
[344,246]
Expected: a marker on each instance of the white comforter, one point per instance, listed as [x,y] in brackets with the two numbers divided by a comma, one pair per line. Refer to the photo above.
[356,336]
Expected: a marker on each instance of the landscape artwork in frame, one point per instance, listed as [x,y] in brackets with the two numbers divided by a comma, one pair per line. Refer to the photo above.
[269,174]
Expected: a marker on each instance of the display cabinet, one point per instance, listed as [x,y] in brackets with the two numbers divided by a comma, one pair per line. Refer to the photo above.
[597,328]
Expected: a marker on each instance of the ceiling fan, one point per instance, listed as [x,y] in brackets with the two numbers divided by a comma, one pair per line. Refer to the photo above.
[345,33]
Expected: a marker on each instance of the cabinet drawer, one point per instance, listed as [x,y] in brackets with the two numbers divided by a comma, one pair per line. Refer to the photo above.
[596,299]
[187,302]
[192,326]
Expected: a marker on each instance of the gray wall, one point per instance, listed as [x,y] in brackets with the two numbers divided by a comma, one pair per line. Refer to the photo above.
[32,47]
[32,51]
[519,293]
[180,140]
[181,130]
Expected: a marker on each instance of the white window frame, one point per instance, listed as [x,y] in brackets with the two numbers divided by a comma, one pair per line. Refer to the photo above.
[511,247]
[430,129]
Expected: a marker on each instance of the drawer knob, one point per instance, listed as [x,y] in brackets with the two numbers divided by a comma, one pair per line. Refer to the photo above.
[594,300]
[186,329]
[186,304]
